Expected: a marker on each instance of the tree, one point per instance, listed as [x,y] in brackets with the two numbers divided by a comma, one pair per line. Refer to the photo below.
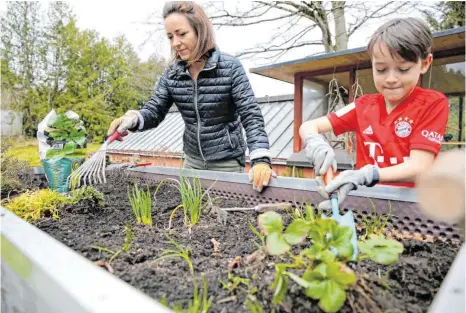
[299,22]
[446,15]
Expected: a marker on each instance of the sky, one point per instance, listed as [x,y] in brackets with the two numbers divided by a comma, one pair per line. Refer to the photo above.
[113,18]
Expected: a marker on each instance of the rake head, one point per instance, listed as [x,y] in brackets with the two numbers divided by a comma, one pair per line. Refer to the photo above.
[91,172]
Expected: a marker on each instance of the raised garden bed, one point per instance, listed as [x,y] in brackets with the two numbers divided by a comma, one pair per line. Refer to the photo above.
[406,286]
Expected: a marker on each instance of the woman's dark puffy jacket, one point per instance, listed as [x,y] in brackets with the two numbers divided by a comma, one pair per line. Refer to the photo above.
[213,109]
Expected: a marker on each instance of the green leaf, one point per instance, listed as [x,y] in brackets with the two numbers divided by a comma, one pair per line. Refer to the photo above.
[326,256]
[341,274]
[333,298]
[321,269]
[276,244]
[341,241]
[296,232]
[270,222]
[280,291]
[316,289]
[69,148]
[381,250]
[303,283]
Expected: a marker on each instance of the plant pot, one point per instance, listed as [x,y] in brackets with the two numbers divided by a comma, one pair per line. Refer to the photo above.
[58,170]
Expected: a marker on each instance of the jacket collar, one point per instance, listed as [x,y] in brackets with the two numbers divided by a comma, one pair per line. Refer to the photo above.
[179,67]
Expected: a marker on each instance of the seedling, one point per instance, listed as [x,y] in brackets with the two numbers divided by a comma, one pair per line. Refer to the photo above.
[374,224]
[197,304]
[381,250]
[129,236]
[259,235]
[192,199]
[87,193]
[141,204]
[178,253]
[235,282]
[253,306]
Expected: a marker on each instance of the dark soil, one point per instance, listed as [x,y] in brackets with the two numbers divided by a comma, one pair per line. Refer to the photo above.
[407,286]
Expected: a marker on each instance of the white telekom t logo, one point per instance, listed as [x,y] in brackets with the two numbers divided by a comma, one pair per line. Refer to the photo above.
[372,146]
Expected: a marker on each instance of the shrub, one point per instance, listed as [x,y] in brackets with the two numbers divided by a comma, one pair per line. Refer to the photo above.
[16,175]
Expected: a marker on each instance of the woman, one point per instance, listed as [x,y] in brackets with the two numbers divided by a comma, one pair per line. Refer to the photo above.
[213,95]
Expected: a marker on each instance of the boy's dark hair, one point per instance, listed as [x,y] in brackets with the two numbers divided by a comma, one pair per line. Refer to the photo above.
[409,37]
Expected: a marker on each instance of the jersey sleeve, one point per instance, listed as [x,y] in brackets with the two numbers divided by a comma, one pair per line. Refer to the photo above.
[345,119]
[428,133]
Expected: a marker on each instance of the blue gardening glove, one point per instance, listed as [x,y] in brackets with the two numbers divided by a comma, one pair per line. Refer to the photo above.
[320,153]
[345,182]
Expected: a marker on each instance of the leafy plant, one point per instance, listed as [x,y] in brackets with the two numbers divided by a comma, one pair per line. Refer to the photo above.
[141,203]
[92,196]
[33,205]
[68,133]
[129,236]
[15,174]
[192,199]
[326,277]
[374,224]
[305,212]
[328,283]
[179,252]
[381,250]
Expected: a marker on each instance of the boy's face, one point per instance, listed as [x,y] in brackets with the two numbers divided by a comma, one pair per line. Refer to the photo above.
[394,77]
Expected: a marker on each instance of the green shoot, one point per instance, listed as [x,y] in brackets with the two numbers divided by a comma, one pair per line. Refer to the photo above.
[141,204]
[258,235]
[198,304]
[114,254]
[178,253]
[192,199]
[374,224]
[253,306]
[129,236]
[235,282]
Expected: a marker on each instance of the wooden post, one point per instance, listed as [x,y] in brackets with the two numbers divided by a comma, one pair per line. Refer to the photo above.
[298,111]
[352,80]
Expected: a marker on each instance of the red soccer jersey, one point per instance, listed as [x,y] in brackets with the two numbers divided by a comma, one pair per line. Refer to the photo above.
[385,139]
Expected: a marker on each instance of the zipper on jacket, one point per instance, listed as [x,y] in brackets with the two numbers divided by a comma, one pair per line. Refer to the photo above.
[197,114]
[229,139]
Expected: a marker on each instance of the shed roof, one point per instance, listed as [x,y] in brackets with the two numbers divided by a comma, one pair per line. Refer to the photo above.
[445,40]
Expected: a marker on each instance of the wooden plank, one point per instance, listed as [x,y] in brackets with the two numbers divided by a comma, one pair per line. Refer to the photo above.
[298,111]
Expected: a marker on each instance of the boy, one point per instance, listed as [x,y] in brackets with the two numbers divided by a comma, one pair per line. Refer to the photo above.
[398,131]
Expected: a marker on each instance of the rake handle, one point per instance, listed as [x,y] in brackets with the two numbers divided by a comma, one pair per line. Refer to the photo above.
[116,136]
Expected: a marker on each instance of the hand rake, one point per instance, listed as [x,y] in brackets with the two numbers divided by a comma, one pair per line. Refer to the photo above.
[93,170]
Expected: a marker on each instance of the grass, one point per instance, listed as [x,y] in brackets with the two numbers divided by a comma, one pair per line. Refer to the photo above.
[192,199]
[197,304]
[374,224]
[179,252]
[141,203]
[28,150]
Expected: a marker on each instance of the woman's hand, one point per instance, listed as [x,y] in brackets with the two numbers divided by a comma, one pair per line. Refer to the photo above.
[128,121]
[260,175]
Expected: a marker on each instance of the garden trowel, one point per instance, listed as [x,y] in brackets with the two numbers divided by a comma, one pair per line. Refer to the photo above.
[345,220]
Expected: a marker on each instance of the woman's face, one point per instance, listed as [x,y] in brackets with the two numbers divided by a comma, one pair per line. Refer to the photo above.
[181,35]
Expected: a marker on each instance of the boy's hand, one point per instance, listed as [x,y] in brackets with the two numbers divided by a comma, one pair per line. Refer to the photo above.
[128,121]
[349,180]
[320,153]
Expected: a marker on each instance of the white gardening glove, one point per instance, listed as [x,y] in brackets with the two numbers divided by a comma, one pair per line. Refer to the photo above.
[345,182]
[128,121]
[320,153]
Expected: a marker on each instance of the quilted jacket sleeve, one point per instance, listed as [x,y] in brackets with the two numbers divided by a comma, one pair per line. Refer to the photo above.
[155,110]
[250,113]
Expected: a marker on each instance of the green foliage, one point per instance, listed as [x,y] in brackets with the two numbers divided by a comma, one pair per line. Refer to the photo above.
[33,205]
[92,196]
[141,203]
[253,306]
[447,14]
[305,212]
[47,62]
[235,282]
[375,224]
[15,174]
[381,250]
[179,252]
[260,236]
[193,199]
[129,236]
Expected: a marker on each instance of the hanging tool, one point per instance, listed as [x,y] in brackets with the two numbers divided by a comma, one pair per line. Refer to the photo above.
[263,207]
[92,171]
[345,220]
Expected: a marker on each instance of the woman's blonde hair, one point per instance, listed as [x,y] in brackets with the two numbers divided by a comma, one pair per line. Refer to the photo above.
[198,21]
